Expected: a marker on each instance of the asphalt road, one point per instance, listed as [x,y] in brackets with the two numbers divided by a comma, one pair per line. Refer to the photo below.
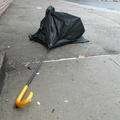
[101,4]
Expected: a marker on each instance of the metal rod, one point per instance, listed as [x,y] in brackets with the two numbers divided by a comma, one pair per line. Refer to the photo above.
[37,68]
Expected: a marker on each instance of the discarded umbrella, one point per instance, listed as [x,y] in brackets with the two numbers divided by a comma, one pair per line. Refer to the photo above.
[56,29]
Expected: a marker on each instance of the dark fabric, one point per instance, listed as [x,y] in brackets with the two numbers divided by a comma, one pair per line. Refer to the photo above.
[58,28]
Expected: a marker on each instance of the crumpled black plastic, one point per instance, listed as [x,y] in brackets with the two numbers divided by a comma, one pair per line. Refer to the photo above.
[58,28]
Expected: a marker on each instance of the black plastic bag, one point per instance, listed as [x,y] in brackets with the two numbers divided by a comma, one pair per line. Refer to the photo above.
[58,28]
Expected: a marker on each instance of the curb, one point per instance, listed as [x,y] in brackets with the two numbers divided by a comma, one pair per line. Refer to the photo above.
[2,69]
[4,6]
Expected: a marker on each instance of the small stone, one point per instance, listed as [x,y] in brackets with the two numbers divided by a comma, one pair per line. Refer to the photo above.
[29,68]
[26,65]
[53,110]
[6,100]
[66,101]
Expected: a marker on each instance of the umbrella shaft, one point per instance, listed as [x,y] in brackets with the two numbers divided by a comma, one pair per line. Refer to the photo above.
[37,68]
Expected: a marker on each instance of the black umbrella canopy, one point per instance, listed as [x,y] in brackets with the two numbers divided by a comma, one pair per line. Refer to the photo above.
[58,28]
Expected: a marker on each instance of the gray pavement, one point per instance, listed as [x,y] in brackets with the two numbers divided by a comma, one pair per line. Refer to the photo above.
[86,89]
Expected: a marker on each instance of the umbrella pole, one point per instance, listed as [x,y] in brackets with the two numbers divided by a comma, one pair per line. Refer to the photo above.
[19,102]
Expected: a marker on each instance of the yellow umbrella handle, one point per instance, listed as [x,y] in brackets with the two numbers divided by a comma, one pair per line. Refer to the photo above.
[19,102]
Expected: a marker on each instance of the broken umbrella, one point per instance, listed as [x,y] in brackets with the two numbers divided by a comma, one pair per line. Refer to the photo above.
[56,29]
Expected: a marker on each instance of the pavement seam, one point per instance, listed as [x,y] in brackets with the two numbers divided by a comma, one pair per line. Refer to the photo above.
[70,59]
[76,58]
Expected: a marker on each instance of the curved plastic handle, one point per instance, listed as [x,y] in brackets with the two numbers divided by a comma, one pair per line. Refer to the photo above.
[19,102]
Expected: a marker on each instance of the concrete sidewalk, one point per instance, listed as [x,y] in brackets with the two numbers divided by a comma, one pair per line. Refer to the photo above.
[86,89]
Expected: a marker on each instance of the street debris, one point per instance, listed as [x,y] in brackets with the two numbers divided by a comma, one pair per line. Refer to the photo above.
[56,29]
[29,68]
[81,56]
[53,110]
[66,101]
[26,65]
[6,100]
[38,103]
[39,8]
